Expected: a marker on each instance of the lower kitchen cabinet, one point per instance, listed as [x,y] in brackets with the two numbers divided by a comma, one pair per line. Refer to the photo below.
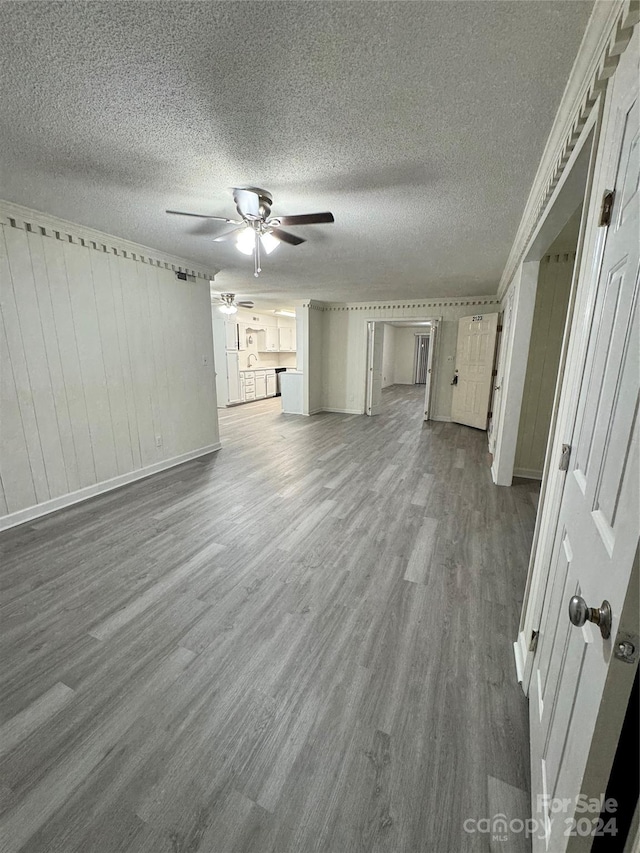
[257,384]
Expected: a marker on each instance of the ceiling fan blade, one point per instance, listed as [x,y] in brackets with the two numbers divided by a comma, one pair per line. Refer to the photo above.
[285,237]
[247,202]
[228,234]
[305,219]
[200,216]
[242,304]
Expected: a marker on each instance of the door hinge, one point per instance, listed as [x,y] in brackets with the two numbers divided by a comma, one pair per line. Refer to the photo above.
[499,329]
[533,643]
[606,209]
[565,456]
[489,414]
[494,372]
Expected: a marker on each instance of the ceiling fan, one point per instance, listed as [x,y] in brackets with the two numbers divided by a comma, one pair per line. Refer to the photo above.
[228,304]
[257,229]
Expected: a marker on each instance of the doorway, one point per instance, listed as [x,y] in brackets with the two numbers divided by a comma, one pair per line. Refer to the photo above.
[519,304]
[549,317]
[393,359]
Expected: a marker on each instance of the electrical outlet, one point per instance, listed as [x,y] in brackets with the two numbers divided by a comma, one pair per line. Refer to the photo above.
[158,440]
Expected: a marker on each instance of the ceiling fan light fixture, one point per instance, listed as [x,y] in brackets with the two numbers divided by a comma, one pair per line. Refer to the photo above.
[269,242]
[227,309]
[246,241]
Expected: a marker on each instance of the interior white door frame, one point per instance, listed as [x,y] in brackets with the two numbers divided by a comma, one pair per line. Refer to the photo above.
[433,353]
[374,368]
[587,265]
[428,389]
[572,188]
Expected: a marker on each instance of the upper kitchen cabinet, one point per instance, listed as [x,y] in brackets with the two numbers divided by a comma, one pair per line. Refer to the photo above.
[286,336]
[243,332]
[230,335]
[268,340]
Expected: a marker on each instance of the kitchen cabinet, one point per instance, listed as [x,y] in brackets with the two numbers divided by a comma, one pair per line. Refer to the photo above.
[242,336]
[249,386]
[230,335]
[258,384]
[268,340]
[287,339]
[260,380]
[234,393]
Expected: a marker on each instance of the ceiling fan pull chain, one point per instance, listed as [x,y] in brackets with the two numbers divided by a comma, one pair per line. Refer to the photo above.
[257,255]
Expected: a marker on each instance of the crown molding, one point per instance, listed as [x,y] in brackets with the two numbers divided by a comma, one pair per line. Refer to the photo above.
[438,302]
[26,219]
[608,33]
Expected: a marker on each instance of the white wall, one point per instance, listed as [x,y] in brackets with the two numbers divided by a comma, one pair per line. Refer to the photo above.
[104,357]
[344,346]
[550,313]
[405,354]
[388,355]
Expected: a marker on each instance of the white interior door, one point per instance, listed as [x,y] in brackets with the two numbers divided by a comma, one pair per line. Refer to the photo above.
[429,383]
[375,339]
[597,532]
[474,367]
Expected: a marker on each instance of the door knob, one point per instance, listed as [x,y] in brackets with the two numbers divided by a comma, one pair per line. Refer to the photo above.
[579,613]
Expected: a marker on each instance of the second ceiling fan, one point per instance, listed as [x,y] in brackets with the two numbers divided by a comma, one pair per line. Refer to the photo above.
[257,229]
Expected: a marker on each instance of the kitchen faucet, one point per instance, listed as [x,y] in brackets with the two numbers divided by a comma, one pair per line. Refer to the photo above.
[249,359]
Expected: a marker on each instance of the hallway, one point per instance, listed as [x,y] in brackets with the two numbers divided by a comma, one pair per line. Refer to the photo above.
[301,643]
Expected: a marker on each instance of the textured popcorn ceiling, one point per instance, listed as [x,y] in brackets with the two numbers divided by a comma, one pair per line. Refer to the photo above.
[419,124]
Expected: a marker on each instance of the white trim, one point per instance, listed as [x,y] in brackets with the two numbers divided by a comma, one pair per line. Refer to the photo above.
[602,172]
[607,34]
[341,411]
[444,418]
[517,654]
[527,473]
[515,369]
[53,505]
[16,216]
[403,305]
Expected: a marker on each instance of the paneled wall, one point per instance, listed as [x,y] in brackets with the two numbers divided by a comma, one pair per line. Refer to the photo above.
[344,346]
[106,366]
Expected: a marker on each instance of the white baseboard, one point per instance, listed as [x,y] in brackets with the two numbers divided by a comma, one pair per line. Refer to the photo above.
[47,507]
[445,418]
[527,473]
[342,411]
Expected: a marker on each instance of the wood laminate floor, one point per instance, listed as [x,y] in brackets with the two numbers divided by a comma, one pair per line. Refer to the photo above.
[301,643]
